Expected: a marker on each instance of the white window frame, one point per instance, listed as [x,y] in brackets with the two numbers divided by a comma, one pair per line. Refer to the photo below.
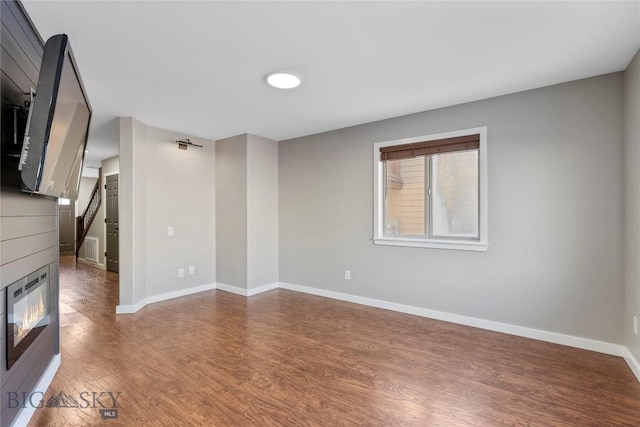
[379,238]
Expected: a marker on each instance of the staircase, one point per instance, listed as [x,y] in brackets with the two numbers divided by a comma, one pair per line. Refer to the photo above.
[84,221]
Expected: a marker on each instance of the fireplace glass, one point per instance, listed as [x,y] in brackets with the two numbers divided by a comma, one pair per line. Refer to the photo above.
[27,312]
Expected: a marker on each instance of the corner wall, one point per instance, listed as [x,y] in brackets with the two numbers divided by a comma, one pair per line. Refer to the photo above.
[632,203]
[556,246]
[161,187]
[231,211]
[262,212]
[247,213]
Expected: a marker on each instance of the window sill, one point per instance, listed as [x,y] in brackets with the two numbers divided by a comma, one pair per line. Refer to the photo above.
[434,244]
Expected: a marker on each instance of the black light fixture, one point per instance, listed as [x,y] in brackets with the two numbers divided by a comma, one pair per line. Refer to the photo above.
[183,144]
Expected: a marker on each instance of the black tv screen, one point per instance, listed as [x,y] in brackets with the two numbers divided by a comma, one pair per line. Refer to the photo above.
[57,126]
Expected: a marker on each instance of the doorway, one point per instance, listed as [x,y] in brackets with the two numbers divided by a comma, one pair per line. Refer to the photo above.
[67,227]
[111,219]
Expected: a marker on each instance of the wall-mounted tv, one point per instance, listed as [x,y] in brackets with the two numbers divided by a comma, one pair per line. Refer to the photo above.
[57,126]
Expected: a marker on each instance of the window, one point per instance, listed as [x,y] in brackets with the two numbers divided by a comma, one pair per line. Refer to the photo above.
[432,191]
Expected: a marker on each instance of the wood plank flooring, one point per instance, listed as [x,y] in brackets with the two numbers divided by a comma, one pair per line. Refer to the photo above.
[288,359]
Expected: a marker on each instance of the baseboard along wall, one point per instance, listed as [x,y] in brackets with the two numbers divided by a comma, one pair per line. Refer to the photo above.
[521,331]
[92,263]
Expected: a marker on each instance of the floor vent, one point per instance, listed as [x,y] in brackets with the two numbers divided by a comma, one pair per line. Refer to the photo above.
[91,249]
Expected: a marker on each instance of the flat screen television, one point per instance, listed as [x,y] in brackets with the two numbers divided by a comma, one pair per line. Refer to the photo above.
[57,125]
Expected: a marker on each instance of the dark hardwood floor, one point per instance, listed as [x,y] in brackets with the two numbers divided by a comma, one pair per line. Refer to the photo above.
[286,359]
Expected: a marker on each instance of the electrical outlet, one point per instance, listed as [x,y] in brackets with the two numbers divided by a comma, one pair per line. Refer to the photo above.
[192,269]
[181,272]
[635,325]
[347,274]
[169,231]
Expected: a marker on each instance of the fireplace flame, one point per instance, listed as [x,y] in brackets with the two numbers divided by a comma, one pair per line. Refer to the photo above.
[30,318]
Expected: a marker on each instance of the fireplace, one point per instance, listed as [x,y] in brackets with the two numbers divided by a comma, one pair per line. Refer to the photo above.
[27,312]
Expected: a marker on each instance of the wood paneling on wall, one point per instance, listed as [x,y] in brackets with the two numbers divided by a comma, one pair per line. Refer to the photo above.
[28,224]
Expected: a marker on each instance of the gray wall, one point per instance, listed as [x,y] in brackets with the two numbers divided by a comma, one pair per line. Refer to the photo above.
[162,186]
[231,211]
[28,224]
[632,199]
[247,211]
[555,258]
[262,211]
[180,192]
[132,212]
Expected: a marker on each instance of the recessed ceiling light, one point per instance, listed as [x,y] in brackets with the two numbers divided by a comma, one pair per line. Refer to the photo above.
[283,80]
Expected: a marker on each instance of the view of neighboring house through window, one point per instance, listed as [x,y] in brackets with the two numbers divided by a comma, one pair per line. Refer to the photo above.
[405,197]
[435,196]
[454,195]
[431,192]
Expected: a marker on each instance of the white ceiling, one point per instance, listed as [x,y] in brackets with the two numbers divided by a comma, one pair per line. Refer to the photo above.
[199,67]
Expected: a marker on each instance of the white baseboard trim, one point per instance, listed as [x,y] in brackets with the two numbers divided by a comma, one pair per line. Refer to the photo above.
[179,293]
[632,362]
[263,288]
[25,414]
[233,289]
[553,337]
[130,309]
[247,292]
[92,263]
